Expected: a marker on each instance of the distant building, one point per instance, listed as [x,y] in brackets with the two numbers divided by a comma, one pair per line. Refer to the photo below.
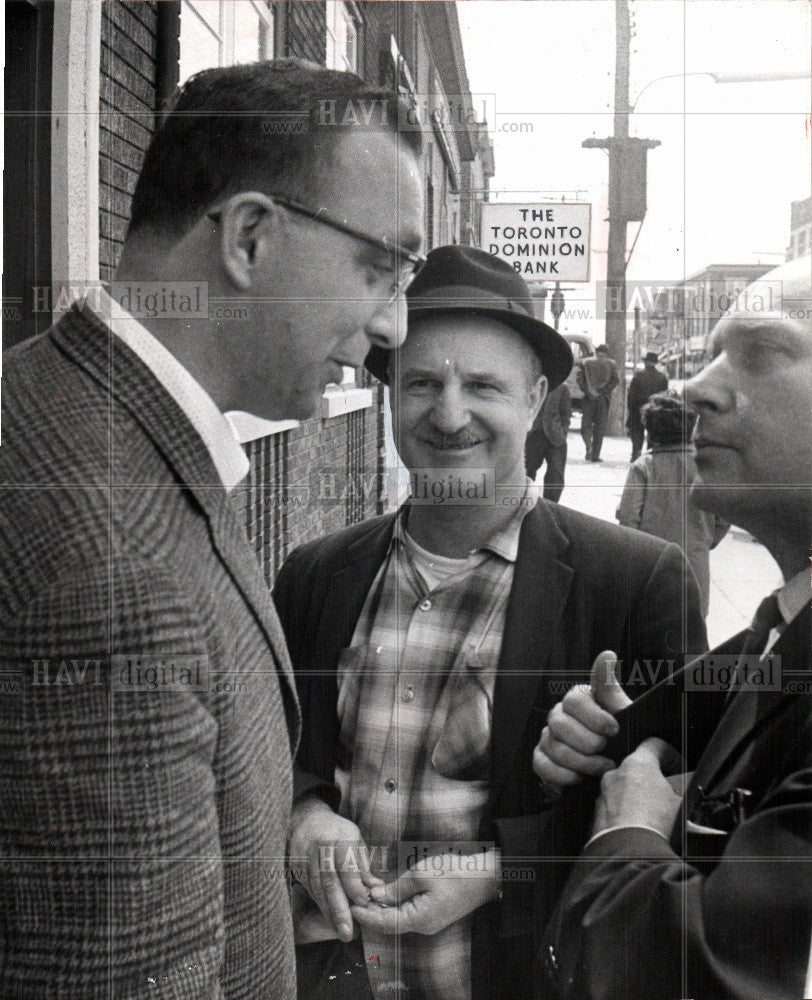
[86,84]
[687,311]
[800,236]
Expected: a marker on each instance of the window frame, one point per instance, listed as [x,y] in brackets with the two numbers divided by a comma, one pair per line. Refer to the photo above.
[225,33]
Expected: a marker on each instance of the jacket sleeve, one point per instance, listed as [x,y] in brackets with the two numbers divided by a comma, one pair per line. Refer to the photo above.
[632,501]
[636,922]
[296,592]
[113,868]
[566,406]
[614,380]
[665,625]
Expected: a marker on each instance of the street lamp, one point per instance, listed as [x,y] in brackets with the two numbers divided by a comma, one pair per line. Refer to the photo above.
[773,77]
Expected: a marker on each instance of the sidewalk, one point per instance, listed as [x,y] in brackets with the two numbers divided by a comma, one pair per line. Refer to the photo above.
[742,571]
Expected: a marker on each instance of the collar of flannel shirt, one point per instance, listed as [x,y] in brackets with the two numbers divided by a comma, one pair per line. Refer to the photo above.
[503,542]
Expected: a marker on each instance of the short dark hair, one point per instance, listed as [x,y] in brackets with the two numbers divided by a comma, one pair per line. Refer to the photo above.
[269,125]
[602,348]
[667,420]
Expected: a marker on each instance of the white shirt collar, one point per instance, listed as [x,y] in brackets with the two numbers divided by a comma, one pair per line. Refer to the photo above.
[795,594]
[217,433]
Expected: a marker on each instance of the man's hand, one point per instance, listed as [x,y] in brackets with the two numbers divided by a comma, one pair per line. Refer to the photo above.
[329,857]
[637,793]
[578,726]
[432,895]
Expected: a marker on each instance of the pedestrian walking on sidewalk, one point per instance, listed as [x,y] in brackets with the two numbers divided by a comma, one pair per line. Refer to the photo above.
[656,496]
[548,440]
[643,386]
[597,380]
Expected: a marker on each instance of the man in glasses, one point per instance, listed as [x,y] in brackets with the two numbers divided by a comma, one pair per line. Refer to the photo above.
[147,745]
[428,646]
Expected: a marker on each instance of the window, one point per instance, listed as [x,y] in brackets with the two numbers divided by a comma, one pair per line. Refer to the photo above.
[342,53]
[222,33]
[342,37]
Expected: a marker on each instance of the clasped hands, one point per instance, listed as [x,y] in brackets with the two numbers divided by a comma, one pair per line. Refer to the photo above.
[329,857]
[637,793]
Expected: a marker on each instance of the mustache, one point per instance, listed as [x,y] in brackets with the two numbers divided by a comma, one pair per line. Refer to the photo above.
[465,438]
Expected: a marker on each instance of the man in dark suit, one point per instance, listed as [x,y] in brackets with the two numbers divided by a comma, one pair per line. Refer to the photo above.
[148,736]
[428,646]
[706,893]
[597,379]
[548,440]
[643,386]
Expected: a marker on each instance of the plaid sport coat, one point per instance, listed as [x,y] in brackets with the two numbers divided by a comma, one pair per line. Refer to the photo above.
[148,715]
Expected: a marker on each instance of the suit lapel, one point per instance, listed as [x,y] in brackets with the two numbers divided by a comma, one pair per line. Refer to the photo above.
[93,346]
[347,589]
[748,713]
[541,585]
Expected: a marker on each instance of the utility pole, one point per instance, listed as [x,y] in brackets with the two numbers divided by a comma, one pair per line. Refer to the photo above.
[618,223]
[627,203]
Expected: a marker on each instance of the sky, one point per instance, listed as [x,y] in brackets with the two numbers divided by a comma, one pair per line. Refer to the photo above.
[733,155]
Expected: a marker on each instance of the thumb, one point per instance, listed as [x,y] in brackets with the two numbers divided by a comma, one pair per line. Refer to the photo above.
[396,892]
[606,690]
[668,759]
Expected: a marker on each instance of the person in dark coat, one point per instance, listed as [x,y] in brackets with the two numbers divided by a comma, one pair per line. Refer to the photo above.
[643,386]
[597,379]
[428,645]
[699,887]
[548,440]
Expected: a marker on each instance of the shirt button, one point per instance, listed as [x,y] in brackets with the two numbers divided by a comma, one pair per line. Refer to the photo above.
[390,785]
[425,605]
[408,694]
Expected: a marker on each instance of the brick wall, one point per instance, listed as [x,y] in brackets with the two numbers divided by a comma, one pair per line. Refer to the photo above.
[127,114]
[310,481]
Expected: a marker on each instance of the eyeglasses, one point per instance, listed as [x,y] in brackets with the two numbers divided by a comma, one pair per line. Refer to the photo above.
[405,264]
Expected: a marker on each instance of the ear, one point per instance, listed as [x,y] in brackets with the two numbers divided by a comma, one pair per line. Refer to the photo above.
[535,397]
[245,223]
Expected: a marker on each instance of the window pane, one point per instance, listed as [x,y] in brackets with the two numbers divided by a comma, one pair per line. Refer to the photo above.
[208,11]
[342,37]
[200,46]
[253,35]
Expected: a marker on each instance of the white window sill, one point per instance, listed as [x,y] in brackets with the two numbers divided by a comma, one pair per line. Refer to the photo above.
[344,399]
[247,427]
[334,402]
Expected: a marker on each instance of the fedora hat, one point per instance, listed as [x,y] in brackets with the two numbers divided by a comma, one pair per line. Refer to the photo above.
[651,358]
[465,280]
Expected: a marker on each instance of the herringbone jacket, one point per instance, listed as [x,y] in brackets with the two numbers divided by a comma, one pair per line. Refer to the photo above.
[147,716]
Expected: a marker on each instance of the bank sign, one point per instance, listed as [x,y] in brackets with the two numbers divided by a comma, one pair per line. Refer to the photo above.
[545,241]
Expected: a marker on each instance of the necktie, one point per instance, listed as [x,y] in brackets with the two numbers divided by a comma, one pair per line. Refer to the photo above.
[768,616]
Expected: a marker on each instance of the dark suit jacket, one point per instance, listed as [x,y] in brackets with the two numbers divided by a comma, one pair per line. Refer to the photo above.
[641,388]
[706,916]
[580,586]
[553,419]
[143,824]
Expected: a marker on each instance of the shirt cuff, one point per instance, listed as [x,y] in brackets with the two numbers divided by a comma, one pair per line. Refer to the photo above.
[635,826]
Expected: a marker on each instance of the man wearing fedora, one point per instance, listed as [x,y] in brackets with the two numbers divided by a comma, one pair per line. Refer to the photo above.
[643,386]
[597,379]
[428,646]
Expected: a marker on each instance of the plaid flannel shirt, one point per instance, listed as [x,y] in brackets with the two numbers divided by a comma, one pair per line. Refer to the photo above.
[414,706]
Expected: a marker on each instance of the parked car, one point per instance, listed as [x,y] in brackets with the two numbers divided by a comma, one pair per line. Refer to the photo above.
[582,347]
